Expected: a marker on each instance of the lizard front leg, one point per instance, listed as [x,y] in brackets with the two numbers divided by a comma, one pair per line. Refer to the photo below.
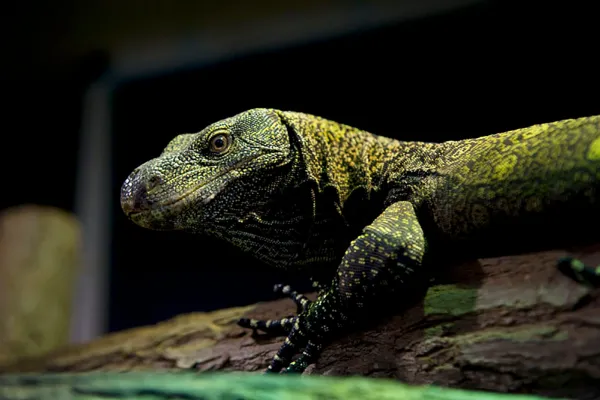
[381,260]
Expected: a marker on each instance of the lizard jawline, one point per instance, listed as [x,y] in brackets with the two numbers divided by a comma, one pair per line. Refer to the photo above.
[180,201]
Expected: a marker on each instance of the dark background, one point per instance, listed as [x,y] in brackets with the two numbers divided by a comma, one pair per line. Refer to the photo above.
[479,69]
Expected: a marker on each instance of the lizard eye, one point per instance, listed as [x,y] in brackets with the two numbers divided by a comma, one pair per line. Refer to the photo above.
[220,143]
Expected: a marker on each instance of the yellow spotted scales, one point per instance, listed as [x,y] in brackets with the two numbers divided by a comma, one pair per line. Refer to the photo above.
[362,214]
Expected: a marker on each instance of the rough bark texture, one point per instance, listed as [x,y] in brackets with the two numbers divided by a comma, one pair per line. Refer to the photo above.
[511,324]
[39,255]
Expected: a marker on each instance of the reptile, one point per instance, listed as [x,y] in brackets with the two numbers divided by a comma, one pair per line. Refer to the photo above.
[368,218]
[217,386]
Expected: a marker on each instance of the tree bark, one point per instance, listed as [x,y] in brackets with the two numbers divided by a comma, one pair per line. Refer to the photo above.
[510,324]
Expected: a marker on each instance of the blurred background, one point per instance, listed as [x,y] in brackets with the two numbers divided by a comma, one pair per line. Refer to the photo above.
[93,88]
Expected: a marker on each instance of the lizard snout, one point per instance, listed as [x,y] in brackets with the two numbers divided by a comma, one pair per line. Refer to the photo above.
[134,193]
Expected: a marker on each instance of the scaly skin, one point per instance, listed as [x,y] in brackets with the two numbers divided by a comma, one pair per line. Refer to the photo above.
[361,214]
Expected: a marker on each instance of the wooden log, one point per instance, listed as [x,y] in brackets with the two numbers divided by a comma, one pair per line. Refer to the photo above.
[510,324]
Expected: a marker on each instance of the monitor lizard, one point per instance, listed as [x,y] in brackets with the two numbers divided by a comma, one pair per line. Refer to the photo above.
[364,215]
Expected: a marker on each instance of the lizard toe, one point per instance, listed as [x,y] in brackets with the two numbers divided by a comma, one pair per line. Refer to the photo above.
[309,355]
[294,341]
[302,302]
[272,326]
[579,271]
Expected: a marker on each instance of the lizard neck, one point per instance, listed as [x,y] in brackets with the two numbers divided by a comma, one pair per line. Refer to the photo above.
[336,183]
[321,197]
[344,169]
[340,158]
[362,171]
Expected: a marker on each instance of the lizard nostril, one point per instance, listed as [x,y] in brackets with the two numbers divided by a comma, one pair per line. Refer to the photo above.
[134,192]
[153,182]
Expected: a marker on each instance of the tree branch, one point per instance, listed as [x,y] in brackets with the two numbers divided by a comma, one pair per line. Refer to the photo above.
[510,324]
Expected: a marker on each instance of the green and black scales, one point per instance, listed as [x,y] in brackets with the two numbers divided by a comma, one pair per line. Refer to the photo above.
[364,215]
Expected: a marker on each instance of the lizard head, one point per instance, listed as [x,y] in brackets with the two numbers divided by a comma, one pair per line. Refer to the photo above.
[218,174]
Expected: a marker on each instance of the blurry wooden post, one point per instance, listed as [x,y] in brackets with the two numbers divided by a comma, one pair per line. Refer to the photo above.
[39,253]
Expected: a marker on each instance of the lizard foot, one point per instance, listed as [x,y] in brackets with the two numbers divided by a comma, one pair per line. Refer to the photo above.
[309,355]
[305,331]
[301,336]
[313,325]
[283,325]
[580,272]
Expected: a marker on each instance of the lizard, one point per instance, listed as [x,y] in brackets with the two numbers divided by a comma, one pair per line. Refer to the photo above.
[365,216]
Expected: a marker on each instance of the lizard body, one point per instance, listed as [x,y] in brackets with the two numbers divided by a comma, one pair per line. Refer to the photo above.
[360,213]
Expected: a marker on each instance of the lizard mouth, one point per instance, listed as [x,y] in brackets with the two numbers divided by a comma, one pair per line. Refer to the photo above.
[176,202]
